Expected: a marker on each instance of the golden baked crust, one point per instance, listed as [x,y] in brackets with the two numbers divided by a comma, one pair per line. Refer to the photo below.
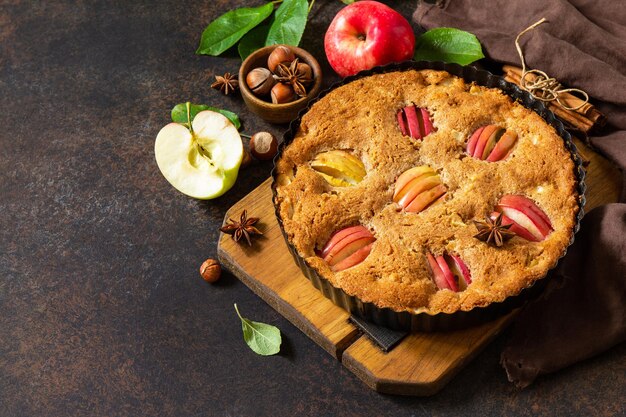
[361,116]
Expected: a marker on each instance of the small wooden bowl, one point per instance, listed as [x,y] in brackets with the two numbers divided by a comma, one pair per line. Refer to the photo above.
[277,113]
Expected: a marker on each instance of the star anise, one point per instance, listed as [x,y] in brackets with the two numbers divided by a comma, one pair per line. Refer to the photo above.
[294,75]
[243,228]
[493,232]
[226,83]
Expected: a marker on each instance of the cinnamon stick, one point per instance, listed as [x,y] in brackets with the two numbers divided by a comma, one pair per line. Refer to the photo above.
[568,99]
[584,119]
[571,117]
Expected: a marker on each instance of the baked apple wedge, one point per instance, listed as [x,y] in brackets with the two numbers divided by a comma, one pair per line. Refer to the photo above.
[491,143]
[415,122]
[339,168]
[347,247]
[527,219]
[418,188]
[449,272]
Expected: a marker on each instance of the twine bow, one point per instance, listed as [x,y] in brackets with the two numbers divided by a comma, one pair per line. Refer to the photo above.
[541,86]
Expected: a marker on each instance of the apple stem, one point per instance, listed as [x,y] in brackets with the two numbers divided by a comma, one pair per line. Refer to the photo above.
[310,6]
[188,106]
[245,136]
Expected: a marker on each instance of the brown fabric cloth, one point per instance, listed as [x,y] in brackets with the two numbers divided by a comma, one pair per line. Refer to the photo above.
[583,45]
[575,322]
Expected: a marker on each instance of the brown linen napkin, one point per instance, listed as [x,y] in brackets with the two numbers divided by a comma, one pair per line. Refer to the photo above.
[583,46]
[584,317]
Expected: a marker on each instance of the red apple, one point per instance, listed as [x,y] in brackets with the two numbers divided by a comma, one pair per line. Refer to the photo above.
[354,259]
[339,236]
[449,276]
[515,228]
[415,122]
[483,139]
[460,271]
[347,247]
[491,143]
[449,272]
[471,143]
[503,147]
[418,188]
[440,280]
[526,214]
[365,34]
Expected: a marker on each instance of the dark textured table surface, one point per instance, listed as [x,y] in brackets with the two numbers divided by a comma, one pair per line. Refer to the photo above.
[102,310]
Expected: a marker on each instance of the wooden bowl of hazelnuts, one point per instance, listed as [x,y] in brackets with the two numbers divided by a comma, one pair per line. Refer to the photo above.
[278,81]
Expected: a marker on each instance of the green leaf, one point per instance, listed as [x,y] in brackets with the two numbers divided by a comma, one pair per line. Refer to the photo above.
[448,45]
[226,30]
[179,113]
[289,23]
[229,115]
[253,40]
[262,338]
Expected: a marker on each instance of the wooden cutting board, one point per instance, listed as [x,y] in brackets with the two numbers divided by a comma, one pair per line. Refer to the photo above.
[422,363]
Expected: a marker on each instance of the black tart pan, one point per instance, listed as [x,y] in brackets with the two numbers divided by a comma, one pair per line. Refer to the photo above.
[440,321]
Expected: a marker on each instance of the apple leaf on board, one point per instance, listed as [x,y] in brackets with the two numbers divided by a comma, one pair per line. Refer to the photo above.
[226,30]
[448,45]
[289,23]
[179,113]
[263,339]
[253,40]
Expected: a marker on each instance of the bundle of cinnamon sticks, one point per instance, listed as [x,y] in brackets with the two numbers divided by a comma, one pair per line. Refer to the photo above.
[584,118]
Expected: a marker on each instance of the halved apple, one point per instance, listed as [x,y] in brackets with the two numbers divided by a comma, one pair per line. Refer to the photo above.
[202,162]
[449,272]
[347,247]
[339,168]
[418,188]
[415,122]
[525,214]
[491,143]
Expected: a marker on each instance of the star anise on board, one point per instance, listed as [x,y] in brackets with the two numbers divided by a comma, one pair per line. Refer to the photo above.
[493,232]
[294,75]
[226,83]
[243,228]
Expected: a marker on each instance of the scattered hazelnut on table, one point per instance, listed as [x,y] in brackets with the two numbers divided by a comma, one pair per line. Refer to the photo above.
[210,270]
[263,146]
[246,160]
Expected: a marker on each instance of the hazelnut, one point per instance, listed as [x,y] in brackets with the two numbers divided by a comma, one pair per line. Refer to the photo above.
[282,93]
[210,270]
[260,81]
[246,160]
[263,146]
[280,54]
[304,72]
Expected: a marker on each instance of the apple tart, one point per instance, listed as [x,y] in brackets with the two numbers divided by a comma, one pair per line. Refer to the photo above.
[418,191]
